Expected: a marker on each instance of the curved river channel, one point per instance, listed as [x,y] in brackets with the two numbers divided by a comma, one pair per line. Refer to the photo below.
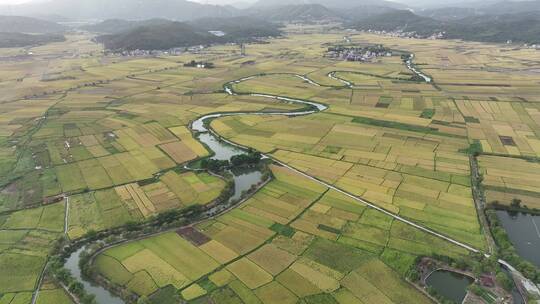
[222,149]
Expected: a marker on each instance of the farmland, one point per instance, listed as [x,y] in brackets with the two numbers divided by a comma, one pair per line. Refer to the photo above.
[104,140]
[294,233]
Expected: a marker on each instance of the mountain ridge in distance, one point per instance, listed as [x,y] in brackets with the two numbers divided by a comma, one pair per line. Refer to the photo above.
[330,3]
[160,34]
[22,24]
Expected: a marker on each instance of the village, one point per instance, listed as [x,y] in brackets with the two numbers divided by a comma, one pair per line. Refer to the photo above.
[357,53]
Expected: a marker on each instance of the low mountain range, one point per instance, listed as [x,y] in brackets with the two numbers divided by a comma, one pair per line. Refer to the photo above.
[20,24]
[159,34]
[127,20]
[330,3]
[518,27]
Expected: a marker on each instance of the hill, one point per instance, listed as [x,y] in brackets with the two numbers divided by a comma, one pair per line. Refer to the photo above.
[364,11]
[113,26]
[237,28]
[329,3]
[163,34]
[8,40]
[156,37]
[449,13]
[301,12]
[400,20]
[123,9]
[511,7]
[519,27]
[28,25]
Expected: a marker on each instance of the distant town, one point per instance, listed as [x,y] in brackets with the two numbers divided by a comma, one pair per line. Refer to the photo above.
[357,53]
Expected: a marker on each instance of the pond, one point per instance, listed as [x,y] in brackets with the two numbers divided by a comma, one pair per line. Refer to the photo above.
[451,285]
[524,232]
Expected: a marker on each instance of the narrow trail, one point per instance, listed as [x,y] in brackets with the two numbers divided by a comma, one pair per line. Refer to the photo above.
[66,217]
[35,294]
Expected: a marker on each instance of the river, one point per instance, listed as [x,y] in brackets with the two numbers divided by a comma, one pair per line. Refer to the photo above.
[410,66]
[244,179]
[222,150]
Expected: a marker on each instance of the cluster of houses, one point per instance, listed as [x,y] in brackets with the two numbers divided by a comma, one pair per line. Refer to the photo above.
[357,53]
[170,52]
[199,64]
[402,34]
[141,53]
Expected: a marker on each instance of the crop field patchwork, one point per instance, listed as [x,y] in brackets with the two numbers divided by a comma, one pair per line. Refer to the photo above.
[507,179]
[109,137]
[292,240]
[131,202]
[426,184]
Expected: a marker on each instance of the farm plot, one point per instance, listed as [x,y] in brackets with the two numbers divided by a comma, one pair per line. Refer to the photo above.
[115,207]
[507,128]
[292,240]
[23,253]
[416,174]
[509,179]
[51,293]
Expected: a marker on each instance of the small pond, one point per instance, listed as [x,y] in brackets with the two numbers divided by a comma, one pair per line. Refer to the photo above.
[451,285]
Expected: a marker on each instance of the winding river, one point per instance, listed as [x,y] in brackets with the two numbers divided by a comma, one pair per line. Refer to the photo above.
[412,68]
[222,150]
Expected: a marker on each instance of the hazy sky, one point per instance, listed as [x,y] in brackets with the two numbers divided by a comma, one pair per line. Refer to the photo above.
[13,1]
[233,1]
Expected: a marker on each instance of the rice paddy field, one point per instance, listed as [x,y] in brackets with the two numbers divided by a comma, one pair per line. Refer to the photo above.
[293,240]
[26,238]
[507,179]
[104,139]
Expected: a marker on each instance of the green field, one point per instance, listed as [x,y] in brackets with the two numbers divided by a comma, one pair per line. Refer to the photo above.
[281,237]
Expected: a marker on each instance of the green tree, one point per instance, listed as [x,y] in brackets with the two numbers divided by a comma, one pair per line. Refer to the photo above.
[143,300]
[516,203]
[504,280]
[76,287]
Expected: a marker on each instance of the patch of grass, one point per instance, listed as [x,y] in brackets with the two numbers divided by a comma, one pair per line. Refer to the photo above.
[329,229]
[474,149]
[166,295]
[319,299]
[340,257]
[428,113]
[283,230]
[401,126]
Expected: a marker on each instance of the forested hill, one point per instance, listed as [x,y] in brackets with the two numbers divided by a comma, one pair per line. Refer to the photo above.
[10,24]
[518,27]
[163,34]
